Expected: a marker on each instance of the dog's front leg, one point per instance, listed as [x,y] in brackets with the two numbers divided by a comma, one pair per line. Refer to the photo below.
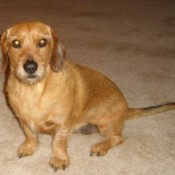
[30,144]
[60,158]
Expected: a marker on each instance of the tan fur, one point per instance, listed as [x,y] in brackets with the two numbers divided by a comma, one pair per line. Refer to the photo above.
[61,96]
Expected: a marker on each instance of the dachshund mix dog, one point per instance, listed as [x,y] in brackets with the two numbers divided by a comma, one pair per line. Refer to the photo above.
[50,95]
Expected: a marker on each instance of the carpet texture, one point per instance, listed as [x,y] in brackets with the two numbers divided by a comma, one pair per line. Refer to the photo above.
[133,43]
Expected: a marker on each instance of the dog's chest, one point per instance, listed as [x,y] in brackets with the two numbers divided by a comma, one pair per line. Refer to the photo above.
[34,107]
[24,99]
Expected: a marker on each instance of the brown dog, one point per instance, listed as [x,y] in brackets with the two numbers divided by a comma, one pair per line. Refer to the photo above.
[50,95]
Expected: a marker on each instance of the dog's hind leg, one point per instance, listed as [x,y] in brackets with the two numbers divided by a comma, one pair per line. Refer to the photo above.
[112,129]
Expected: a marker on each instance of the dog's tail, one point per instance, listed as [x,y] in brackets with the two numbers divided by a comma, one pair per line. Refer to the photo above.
[141,112]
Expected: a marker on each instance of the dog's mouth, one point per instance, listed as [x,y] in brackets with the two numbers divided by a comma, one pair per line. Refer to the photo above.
[31,79]
[31,76]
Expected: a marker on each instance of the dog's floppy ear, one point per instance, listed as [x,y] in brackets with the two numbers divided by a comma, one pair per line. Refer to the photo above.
[4,57]
[58,53]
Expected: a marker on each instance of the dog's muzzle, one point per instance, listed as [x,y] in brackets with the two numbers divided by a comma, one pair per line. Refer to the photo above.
[30,67]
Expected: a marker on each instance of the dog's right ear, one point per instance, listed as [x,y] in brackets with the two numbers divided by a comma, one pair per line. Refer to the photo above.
[4,57]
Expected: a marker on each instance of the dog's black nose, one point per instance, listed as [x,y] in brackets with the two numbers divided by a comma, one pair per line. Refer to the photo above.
[30,66]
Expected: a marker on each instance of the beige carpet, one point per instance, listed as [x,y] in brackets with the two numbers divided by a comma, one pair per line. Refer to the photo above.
[133,42]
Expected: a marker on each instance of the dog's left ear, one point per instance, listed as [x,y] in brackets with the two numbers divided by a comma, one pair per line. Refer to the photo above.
[4,57]
[58,53]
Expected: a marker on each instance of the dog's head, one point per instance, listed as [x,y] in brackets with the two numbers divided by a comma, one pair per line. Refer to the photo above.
[29,50]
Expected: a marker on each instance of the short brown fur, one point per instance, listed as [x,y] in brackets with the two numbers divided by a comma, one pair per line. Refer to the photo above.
[60,96]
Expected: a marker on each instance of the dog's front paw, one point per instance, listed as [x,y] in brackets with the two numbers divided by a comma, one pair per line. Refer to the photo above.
[57,163]
[27,148]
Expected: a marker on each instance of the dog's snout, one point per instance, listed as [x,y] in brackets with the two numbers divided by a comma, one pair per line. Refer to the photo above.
[30,66]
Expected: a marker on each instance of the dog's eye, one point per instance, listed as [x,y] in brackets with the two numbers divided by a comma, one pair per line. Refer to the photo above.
[42,42]
[16,44]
